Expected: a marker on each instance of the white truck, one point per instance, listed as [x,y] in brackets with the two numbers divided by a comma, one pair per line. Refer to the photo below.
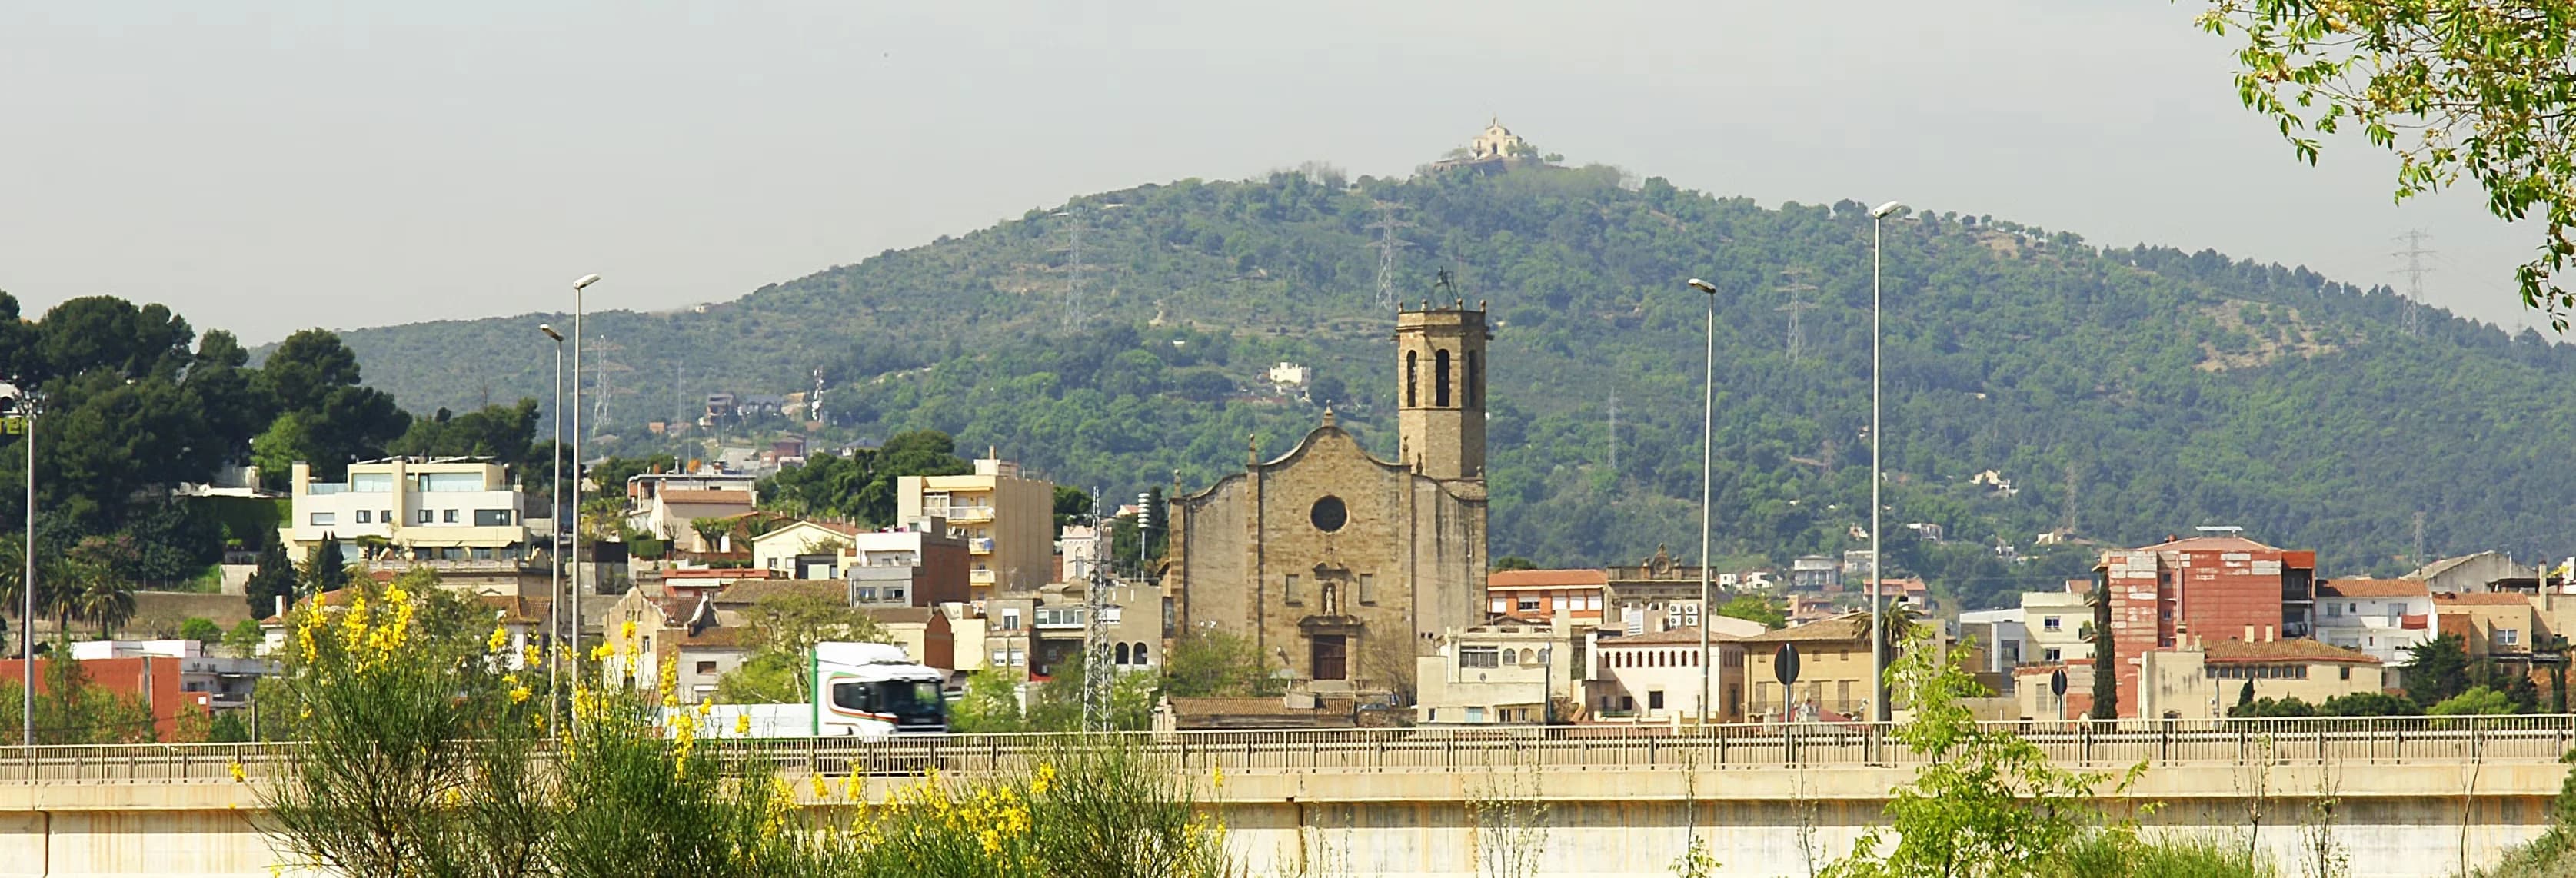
[867,691]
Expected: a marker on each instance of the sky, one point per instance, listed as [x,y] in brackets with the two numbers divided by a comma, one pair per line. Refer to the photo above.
[269,167]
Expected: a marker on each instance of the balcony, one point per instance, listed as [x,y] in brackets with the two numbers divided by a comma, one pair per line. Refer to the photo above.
[2416,621]
[960,514]
[980,577]
[980,545]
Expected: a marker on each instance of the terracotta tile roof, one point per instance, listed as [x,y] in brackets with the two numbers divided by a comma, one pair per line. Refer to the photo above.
[1848,626]
[1687,634]
[677,496]
[2372,588]
[901,615]
[715,573]
[2226,651]
[2482,598]
[516,610]
[716,638]
[757,590]
[2211,544]
[1545,578]
[1257,706]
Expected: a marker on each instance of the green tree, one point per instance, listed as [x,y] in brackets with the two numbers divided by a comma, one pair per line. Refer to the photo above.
[2106,675]
[1514,562]
[780,632]
[2368,704]
[201,630]
[2451,87]
[1756,608]
[2438,669]
[1072,505]
[324,570]
[507,434]
[2476,700]
[991,703]
[314,377]
[272,579]
[1210,662]
[245,638]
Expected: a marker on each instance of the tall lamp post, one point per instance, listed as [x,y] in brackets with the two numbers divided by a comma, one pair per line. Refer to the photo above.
[1707,445]
[21,410]
[554,543]
[577,286]
[1879,708]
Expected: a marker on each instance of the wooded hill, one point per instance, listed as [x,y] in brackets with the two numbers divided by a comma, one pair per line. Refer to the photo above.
[2125,393]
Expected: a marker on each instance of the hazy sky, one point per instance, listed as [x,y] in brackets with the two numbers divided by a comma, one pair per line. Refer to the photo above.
[266,167]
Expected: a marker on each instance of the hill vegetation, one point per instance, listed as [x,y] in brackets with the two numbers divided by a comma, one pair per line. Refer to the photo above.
[2036,383]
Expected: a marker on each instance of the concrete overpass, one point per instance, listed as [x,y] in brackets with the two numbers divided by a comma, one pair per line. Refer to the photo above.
[2419,796]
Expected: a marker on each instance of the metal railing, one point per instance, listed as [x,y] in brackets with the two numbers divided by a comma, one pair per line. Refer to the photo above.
[2103,746]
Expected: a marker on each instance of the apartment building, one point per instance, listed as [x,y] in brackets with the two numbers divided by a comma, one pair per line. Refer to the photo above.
[2204,678]
[2381,617]
[1572,595]
[2491,624]
[463,517]
[1833,675]
[917,565]
[1007,520]
[1501,673]
[1655,677]
[2056,622]
[2216,586]
[664,504]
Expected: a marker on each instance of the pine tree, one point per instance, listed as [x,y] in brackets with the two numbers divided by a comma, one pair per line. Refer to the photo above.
[2106,671]
[324,570]
[274,579]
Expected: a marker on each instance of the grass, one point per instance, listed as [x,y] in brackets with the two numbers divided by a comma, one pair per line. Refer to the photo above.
[2116,854]
[2545,857]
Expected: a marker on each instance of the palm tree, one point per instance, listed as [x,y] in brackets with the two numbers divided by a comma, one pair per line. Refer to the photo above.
[105,599]
[1894,623]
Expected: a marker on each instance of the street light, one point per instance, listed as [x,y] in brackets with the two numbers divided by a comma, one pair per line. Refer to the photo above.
[20,405]
[577,286]
[1879,708]
[1707,445]
[554,544]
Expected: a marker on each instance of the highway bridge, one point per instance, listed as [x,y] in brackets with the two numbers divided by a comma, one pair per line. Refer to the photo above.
[2418,796]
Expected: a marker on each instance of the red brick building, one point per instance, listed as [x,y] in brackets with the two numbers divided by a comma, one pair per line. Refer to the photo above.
[153,679]
[2219,587]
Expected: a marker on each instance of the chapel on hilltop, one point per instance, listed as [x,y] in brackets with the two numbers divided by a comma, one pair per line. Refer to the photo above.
[1494,150]
[1340,567]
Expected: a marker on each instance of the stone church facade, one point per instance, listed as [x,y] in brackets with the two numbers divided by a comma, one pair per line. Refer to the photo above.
[1338,566]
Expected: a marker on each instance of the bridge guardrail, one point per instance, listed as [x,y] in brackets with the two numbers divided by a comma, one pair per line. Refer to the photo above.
[2108,745]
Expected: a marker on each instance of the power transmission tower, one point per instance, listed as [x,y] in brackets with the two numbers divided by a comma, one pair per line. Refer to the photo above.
[679,397]
[1076,310]
[1096,668]
[601,389]
[1614,433]
[1796,287]
[2419,538]
[1387,245]
[2415,269]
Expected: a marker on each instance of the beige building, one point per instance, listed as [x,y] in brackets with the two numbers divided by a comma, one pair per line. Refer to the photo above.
[2205,679]
[1503,673]
[667,504]
[1008,522]
[462,517]
[2490,624]
[1338,565]
[1655,677]
[2057,621]
[1833,669]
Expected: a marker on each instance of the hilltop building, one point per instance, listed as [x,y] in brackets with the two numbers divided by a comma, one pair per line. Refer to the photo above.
[1493,150]
[1340,567]
[461,516]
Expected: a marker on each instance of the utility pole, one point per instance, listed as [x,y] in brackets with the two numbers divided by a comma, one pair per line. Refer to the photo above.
[2415,270]
[1797,288]
[1387,245]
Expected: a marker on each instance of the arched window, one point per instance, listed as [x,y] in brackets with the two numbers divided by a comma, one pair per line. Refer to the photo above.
[1475,380]
[1139,655]
[1122,653]
[1412,378]
[1440,378]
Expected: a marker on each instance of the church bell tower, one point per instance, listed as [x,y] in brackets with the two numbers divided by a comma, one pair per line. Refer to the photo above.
[1440,390]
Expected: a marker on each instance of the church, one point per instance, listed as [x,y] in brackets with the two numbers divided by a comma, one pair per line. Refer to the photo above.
[1338,566]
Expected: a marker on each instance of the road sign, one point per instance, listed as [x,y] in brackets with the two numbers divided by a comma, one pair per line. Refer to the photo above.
[1784,664]
[2057,682]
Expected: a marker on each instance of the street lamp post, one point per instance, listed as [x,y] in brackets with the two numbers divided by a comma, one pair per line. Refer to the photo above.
[577,286]
[23,410]
[1879,708]
[1707,445]
[554,545]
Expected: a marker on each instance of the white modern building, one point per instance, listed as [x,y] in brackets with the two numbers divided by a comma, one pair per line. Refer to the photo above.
[2380,617]
[2055,622]
[458,513]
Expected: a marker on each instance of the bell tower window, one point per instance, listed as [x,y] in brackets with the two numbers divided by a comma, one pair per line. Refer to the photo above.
[1412,378]
[1440,378]
[1475,380]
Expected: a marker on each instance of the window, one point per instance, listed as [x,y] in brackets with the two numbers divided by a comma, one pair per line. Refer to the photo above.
[2049,623]
[1010,620]
[2354,609]
[1654,699]
[1288,588]
[1628,702]
[894,595]
[1475,714]
[1475,380]
[2334,610]
[1329,514]
[491,518]
[362,516]
[447,516]
[2508,636]
[1121,657]
[1479,657]
[1139,654]
[371,483]
[1412,378]
[2347,672]
[1528,604]
[1592,602]
[706,667]
[386,516]
[1440,378]
[428,517]
[2049,655]
[319,518]
[867,593]
[1560,602]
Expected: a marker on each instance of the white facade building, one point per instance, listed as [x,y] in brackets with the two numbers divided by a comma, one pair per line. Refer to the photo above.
[2380,617]
[2055,621]
[425,510]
